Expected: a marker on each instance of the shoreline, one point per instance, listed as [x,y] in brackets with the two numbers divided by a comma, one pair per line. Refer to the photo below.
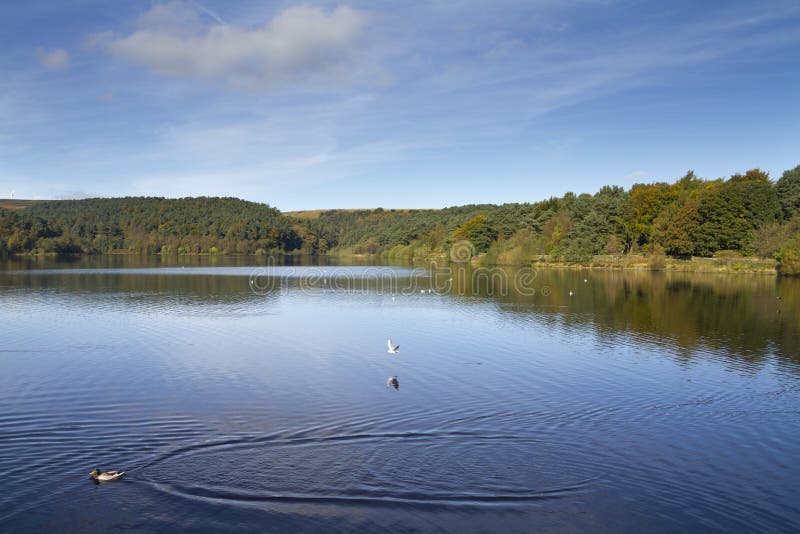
[739,265]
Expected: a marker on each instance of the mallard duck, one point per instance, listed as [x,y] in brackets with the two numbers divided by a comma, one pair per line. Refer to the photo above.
[105,476]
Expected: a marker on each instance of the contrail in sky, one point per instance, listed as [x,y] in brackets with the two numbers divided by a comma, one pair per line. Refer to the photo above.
[209,13]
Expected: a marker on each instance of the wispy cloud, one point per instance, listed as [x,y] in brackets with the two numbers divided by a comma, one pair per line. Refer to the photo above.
[515,90]
[55,59]
[210,13]
[635,176]
[301,43]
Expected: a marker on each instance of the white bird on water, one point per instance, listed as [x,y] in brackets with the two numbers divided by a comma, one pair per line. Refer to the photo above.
[393,349]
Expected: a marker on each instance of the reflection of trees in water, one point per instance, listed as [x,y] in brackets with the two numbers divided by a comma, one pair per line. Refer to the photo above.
[190,289]
[148,289]
[741,314]
[116,261]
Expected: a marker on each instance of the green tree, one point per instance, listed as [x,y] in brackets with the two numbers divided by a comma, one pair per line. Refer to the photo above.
[477,231]
[676,228]
[789,258]
[729,213]
[788,191]
[647,202]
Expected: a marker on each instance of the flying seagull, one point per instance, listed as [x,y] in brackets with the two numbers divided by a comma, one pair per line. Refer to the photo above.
[393,349]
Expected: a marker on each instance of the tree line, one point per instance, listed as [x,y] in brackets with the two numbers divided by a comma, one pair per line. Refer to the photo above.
[745,214]
[147,225]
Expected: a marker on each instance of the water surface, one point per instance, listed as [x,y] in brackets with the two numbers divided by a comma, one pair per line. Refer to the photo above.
[238,398]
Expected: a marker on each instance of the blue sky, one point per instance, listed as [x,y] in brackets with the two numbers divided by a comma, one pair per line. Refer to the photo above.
[392,104]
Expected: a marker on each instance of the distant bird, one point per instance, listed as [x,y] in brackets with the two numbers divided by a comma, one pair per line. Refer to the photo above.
[392,298]
[393,349]
[585,280]
[392,382]
[422,291]
[105,476]
[570,293]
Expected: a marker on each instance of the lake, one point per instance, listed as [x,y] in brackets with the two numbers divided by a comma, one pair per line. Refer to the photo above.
[250,394]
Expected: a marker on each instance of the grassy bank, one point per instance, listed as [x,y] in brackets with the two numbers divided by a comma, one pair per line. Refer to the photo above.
[723,263]
[644,263]
[421,255]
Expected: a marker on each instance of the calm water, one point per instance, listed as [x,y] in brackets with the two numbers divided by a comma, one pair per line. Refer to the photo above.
[242,399]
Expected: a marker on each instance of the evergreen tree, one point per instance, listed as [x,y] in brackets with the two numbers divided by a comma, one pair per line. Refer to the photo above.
[788,191]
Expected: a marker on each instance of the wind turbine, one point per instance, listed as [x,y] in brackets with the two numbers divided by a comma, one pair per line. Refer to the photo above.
[12,194]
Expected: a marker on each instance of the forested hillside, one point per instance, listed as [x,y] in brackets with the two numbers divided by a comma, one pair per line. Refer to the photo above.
[147,225]
[746,214]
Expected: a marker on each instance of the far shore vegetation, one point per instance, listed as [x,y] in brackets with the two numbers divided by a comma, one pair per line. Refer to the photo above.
[746,223]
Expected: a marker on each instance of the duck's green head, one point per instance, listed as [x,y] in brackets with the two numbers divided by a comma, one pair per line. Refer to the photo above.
[95,472]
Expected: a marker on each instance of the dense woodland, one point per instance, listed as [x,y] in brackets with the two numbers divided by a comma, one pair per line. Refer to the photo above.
[746,214]
[147,225]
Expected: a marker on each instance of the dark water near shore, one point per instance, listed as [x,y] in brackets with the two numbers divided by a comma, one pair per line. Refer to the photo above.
[238,398]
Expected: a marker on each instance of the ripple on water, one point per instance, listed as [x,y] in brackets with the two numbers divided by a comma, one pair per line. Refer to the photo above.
[368,468]
[206,393]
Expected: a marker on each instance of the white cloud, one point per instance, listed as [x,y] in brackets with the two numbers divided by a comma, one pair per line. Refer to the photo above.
[635,176]
[301,43]
[56,59]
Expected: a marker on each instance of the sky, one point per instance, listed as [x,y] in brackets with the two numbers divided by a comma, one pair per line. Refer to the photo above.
[391,104]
